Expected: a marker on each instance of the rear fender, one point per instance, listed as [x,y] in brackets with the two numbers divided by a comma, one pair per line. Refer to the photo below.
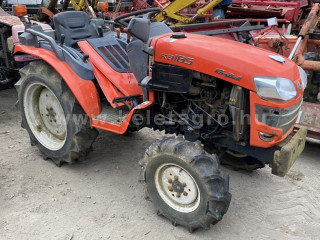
[126,83]
[84,90]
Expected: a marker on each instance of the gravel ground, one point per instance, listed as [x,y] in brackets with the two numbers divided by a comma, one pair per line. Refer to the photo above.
[101,198]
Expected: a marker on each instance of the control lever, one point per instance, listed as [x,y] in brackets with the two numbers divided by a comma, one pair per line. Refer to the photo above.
[100,31]
[63,37]
[85,57]
[27,20]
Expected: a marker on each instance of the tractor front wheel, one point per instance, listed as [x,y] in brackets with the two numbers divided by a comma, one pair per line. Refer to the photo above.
[185,183]
[50,113]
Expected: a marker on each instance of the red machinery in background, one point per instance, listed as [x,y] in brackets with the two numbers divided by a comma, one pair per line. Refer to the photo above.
[143,4]
[288,10]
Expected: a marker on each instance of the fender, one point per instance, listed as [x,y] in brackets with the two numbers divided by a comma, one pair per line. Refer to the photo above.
[84,90]
[126,83]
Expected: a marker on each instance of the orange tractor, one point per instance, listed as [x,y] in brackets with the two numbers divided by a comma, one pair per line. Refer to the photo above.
[214,94]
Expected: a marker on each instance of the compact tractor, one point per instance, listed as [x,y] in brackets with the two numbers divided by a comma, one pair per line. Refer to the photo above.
[214,95]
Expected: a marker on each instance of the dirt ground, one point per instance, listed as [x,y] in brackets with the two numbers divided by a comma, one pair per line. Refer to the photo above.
[102,199]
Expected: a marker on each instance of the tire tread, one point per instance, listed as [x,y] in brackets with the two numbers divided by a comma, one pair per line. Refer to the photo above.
[84,135]
[193,153]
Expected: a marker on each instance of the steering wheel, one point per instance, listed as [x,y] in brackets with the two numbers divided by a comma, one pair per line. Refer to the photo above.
[125,18]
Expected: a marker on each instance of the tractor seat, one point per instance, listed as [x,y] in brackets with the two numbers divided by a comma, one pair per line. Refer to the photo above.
[137,58]
[76,26]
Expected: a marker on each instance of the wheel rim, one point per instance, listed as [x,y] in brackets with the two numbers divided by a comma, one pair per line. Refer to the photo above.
[45,116]
[177,188]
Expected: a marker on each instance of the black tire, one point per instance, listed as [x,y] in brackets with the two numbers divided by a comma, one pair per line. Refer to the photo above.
[213,197]
[78,136]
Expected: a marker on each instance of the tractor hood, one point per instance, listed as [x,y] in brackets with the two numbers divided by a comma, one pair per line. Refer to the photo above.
[231,61]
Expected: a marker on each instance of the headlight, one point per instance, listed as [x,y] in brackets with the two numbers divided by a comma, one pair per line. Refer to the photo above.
[304,77]
[274,88]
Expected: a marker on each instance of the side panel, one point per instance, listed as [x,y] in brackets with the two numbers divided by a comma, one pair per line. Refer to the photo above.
[109,90]
[84,90]
[126,83]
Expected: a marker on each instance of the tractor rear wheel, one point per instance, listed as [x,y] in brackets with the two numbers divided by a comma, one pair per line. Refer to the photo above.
[185,183]
[51,115]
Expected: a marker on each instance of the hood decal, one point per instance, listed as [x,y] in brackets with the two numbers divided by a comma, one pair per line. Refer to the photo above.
[227,75]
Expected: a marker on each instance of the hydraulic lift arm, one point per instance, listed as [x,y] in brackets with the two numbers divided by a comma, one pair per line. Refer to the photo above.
[172,11]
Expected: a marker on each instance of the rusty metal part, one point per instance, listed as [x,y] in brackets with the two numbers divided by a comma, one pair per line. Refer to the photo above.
[210,25]
[288,10]
[52,5]
[310,118]
[9,20]
[291,149]
[311,21]
[310,65]
[299,59]
[266,13]
[140,4]
[65,5]
[47,12]
[222,28]
[314,42]
[307,27]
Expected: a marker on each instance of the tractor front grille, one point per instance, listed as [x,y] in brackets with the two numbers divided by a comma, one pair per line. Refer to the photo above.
[283,118]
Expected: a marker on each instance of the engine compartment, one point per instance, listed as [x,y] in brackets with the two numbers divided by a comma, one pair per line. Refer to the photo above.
[210,108]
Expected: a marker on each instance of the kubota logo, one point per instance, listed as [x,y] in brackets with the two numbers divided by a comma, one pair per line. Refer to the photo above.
[178,58]
[227,75]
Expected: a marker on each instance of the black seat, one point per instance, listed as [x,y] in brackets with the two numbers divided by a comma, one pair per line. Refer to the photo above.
[138,59]
[75,25]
